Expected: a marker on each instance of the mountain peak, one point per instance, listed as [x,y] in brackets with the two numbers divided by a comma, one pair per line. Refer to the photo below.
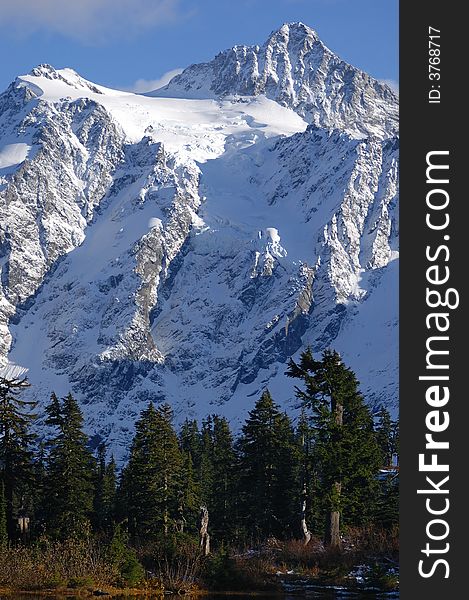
[294,68]
[181,252]
[67,76]
[44,70]
[295,28]
[296,37]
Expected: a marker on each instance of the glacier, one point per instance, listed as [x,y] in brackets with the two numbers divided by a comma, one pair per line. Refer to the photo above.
[181,245]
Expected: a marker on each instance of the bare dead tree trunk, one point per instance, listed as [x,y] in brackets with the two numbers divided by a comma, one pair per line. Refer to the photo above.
[304,527]
[204,535]
[332,537]
[165,512]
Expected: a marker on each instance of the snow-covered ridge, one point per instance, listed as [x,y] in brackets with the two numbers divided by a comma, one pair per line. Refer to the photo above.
[294,68]
[67,76]
[182,248]
[184,125]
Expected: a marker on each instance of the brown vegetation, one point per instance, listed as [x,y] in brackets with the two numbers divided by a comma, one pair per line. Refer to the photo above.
[73,563]
[84,564]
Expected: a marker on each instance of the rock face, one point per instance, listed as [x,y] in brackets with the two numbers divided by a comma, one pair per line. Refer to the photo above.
[50,198]
[297,70]
[181,246]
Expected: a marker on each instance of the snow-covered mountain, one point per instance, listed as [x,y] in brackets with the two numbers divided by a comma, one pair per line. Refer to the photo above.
[181,245]
[298,71]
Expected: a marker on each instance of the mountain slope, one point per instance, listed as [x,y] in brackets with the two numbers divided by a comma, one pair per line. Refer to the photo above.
[182,249]
[297,70]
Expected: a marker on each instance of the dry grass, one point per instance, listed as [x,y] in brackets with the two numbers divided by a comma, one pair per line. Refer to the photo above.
[227,573]
[84,564]
[73,563]
[181,573]
[367,545]
[373,542]
[175,564]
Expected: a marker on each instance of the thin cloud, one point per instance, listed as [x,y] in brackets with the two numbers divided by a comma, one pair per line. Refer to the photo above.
[148,85]
[89,21]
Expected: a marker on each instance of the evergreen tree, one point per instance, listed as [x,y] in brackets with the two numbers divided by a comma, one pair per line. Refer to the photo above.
[191,442]
[361,464]
[345,450]
[387,434]
[213,460]
[221,504]
[124,558]
[105,491]
[395,441]
[309,501]
[268,472]
[39,500]
[3,518]
[190,439]
[69,470]
[384,437]
[387,510]
[205,470]
[189,496]
[15,447]
[152,478]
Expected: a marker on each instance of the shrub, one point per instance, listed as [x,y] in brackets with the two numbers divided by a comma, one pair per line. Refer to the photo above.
[295,555]
[131,571]
[373,541]
[177,562]
[55,564]
[80,582]
[54,581]
[380,576]
[225,573]
[124,560]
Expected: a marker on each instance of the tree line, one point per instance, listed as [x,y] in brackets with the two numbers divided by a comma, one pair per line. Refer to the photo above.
[334,467]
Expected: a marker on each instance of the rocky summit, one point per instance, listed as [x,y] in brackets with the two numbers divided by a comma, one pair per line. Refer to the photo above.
[181,245]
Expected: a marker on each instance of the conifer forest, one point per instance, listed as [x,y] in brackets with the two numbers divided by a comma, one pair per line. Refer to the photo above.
[201,505]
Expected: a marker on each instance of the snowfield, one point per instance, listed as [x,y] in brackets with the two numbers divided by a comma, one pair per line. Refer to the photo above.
[181,246]
[192,129]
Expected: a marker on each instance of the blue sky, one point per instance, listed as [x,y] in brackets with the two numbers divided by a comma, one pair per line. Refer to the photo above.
[133,43]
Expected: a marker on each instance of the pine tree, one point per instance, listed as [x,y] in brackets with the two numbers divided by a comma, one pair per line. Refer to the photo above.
[387,509]
[69,470]
[105,492]
[152,478]
[308,499]
[191,441]
[3,518]
[384,437]
[205,470]
[15,447]
[387,434]
[345,449]
[268,472]
[189,496]
[124,558]
[221,504]
[395,441]
[39,500]
[361,464]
